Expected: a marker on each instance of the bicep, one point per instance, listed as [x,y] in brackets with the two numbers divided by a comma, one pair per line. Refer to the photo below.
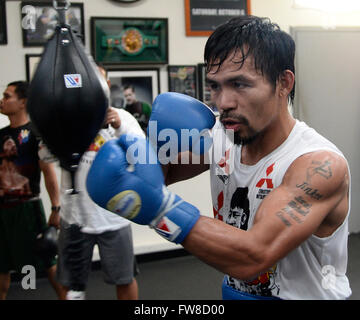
[311,190]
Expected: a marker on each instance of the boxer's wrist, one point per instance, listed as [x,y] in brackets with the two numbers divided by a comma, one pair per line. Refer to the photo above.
[175,219]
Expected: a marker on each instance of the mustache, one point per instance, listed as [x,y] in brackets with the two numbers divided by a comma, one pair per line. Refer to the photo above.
[236,118]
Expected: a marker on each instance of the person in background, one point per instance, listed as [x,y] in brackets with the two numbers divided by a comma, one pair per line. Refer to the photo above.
[22,216]
[45,25]
[84,224]
[140,110]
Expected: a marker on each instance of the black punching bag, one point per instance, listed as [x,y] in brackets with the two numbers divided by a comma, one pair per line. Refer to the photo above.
[68,97]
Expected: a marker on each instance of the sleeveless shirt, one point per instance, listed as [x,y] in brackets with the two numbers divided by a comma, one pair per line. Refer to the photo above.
[314,270]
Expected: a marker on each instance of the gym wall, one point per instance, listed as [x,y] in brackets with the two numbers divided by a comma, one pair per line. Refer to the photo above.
[182,50]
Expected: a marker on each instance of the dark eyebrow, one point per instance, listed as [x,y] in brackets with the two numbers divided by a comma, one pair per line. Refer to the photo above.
[209,80]
[239,78]
[232,79]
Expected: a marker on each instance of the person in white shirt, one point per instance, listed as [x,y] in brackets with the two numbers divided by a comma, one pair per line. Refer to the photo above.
[84,224]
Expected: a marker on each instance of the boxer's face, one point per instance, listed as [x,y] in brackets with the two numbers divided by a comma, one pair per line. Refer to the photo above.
[246,100]
[10,104]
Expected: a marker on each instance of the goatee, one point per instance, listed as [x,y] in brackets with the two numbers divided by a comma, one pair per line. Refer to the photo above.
[235,137]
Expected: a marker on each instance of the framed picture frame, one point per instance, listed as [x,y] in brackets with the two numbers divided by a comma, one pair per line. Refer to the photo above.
[116,40]
[146,83]
[39,19]
[31,63]
[183,79]
[203,16]
[3,26]
[204,90]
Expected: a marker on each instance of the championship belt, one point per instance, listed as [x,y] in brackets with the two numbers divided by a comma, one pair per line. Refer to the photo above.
[130,42]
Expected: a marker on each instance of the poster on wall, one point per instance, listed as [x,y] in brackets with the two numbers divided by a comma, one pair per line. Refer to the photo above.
[204,89]
[3,29]
[145,82]
[31,63]
[183,79]
[39,19]
[203,16]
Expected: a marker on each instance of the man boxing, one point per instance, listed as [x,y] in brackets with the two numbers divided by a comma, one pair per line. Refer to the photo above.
[294,215]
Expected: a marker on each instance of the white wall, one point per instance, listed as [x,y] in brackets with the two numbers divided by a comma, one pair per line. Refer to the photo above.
[182,50]
[322,90]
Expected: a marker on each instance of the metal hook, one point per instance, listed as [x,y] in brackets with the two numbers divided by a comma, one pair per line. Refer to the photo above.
[61,10]
[65,7]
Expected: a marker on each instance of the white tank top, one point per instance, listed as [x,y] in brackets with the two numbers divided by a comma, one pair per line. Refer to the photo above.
[314,270]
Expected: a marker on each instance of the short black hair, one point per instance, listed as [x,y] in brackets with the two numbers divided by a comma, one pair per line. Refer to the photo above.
[129,86]
[273,50]
[21,88]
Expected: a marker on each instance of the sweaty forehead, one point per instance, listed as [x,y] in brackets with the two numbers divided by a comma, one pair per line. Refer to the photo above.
[233,63]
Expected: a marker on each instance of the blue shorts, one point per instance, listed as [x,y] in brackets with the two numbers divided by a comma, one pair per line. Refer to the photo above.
[229,293]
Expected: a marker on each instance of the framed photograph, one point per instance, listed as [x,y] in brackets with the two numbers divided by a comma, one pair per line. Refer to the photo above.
[129,40]
[204,90]
[146,83]
[183,79]
[3,28]
[203,16]
[39,20]
[31,62]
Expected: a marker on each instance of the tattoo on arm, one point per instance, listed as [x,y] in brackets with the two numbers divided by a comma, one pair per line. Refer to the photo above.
[296,206]
[309,190]
[280,215]
[323,169]
[300,206]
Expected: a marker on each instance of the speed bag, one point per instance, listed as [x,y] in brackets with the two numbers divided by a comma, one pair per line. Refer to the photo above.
[68,98]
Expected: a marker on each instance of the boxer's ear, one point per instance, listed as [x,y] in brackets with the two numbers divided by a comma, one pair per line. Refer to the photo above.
[68,97]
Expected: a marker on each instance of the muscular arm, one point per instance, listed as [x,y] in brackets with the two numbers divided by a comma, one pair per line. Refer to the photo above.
[312,199]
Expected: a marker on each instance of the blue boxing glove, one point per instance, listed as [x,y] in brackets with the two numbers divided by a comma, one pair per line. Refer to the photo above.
[179,123]
[122,180]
